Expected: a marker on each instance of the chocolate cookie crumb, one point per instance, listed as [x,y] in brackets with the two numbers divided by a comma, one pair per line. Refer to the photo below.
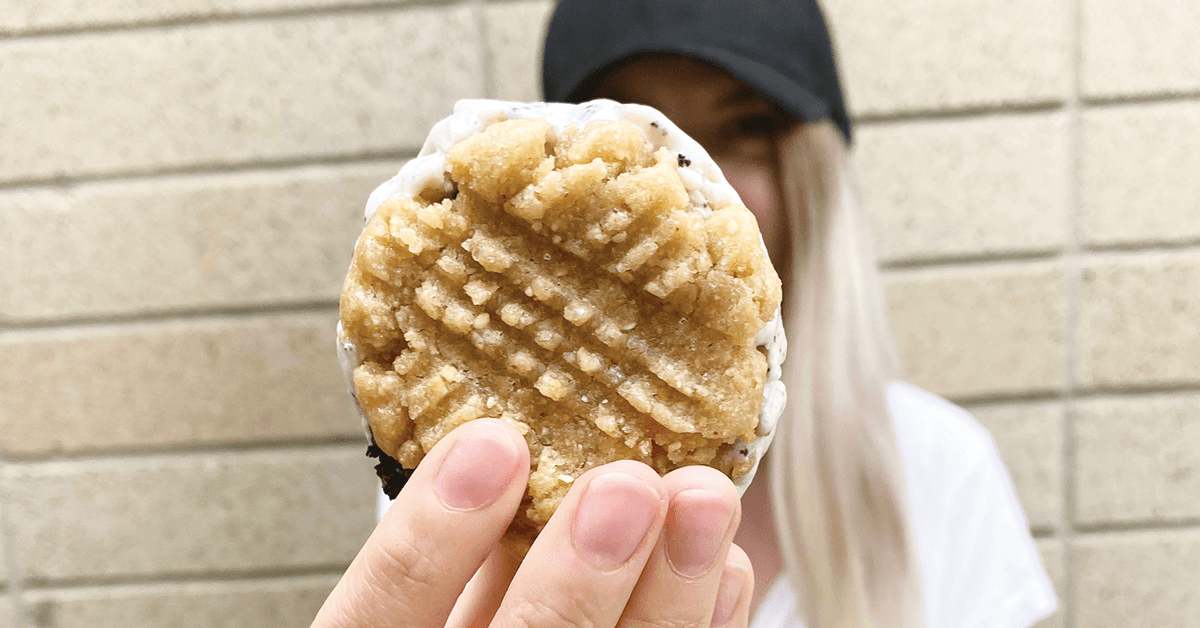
[393,476]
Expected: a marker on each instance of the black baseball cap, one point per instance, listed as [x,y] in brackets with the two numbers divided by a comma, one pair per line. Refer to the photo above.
[780,48]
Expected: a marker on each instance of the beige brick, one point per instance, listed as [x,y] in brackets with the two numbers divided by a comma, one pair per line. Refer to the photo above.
[166,384]
[191,514]
[1137,173]
[278,603]
[7,617]
[1138,579]
[1139,47]
[944,54]
[1030,439]
[232,91]
[1053,557]
[978,330]
[1137,458]
[1139,321]
[955,188]
[17,16]
[515,32]
[182,243]
[3,556]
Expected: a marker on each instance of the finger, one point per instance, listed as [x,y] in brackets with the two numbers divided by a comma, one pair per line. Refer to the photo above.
[585,563]
[732,609]
[679,585]
[478,603]
[449,516]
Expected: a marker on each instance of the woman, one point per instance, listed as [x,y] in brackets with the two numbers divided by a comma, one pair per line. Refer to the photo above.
[884,505]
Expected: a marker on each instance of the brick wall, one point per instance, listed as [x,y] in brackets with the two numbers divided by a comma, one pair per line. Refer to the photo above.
[180,186]
[1030,167]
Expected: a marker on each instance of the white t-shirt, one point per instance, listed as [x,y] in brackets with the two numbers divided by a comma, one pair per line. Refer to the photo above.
[979,566]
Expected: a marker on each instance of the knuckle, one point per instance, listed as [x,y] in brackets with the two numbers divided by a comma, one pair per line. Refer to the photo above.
[566,611]
[662,622]
[403,566]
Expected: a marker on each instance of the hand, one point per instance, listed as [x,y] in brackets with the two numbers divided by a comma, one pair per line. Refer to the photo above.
[625,548]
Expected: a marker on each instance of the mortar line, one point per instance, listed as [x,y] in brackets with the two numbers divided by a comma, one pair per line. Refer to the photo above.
[171,452]
[1100,392]
[208,169]
[167,315]
[970,260]
[486,63]
[15,586]
[1072,294]
[1139,525]
[997,399]
[184,21]
[148,584]
[1132,250]
[41,585]
[1104,102]
[1044,532]
[1085,252]
[963,112]
[1079,394]
[970,112]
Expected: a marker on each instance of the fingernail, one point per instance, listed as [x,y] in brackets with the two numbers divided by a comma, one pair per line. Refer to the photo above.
[733,580]
[696,527]
[480,465]
[614,515]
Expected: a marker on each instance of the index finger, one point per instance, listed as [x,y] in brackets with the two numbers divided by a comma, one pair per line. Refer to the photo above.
[584,564]
[451,513]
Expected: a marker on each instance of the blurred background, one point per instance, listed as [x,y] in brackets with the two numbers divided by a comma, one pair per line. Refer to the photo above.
[181,184]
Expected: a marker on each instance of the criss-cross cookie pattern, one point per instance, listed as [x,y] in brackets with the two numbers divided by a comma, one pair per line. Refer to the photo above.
[568,284]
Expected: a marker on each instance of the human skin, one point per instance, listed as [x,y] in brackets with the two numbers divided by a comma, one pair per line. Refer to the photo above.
[738,128]
[626,547]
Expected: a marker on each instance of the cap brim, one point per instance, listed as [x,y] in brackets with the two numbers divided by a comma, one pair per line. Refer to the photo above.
[771,84]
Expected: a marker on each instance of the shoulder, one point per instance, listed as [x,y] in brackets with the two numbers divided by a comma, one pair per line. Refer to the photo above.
[934,431]
[904,398]
[979,564]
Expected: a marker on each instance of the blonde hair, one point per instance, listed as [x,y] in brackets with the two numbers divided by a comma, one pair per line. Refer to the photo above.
[837,482]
